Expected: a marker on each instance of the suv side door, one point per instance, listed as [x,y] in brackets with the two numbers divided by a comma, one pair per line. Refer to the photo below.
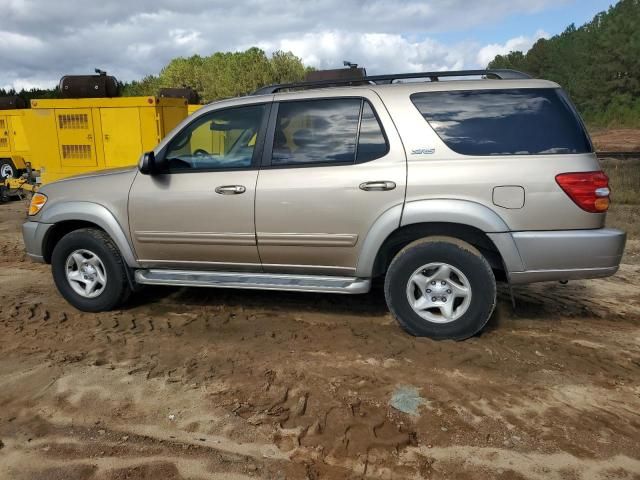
[332,165]
[199,211]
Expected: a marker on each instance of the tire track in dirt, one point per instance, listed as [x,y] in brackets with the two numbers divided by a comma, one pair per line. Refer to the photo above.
[311,376]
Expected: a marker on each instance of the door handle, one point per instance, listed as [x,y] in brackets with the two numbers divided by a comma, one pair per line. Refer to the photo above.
[230,189]
[379,185]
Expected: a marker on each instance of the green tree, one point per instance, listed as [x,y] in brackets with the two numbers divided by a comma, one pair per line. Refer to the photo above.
[223,74]
[597,63]
[149,85]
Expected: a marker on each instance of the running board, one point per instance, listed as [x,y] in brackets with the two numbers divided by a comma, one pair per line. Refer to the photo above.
[254,281]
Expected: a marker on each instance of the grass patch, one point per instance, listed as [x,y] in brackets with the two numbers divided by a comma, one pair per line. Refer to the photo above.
[624,179]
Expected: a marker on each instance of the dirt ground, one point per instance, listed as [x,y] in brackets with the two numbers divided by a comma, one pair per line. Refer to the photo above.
[616,140]
[222,384]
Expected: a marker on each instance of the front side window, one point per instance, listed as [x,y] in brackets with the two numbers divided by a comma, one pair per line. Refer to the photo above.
[533,121]
[327,131]
[218,140]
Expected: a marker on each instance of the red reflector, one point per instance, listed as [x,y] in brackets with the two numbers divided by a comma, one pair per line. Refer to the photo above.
[589,190]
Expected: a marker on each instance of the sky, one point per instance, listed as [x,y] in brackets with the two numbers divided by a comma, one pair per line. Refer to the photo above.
[42,40]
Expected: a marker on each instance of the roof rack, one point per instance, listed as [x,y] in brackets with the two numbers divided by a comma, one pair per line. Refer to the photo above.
[500,74]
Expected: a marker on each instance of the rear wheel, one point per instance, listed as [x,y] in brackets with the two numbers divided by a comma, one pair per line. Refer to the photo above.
[440,287]
[89,271]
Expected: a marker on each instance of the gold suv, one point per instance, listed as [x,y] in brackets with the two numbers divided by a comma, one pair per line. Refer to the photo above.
[440,187]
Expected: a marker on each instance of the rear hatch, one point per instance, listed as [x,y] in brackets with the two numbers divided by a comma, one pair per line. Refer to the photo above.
[523,152]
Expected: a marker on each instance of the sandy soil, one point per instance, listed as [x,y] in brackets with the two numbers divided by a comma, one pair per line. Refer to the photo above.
[214,384]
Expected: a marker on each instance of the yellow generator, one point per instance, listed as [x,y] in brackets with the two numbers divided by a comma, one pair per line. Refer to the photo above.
[193,108]
[210,141]
[85,134]
[14,144]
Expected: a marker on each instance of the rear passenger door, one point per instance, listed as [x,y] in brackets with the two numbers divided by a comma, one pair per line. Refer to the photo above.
[331,167]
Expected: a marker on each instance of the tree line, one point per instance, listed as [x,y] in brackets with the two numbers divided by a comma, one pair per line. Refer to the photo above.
[597,63]
[220,75]
[223,74]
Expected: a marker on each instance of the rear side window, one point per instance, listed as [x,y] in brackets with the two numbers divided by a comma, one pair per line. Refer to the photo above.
[372,143]
[505,122]
[327,131]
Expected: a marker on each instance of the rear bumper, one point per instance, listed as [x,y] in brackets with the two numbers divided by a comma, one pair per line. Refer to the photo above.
[34,234]
[568,255]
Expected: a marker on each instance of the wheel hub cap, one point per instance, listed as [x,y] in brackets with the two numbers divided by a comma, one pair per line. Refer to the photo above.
[439,292]
[6,171]
[86,273]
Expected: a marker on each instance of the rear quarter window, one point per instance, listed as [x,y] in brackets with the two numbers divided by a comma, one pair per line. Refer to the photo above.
[505,122]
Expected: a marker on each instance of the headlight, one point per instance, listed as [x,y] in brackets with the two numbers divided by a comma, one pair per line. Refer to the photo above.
[37,202]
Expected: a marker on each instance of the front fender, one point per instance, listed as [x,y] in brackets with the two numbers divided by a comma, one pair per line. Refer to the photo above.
[96,214]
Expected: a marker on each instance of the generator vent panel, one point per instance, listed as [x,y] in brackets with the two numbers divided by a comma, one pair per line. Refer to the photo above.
[3,124]
[4,142]
[76,152]
[72,136]
[75,121]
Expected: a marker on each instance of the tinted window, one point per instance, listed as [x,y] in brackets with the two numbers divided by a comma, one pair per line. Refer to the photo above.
[504,122]
[217,140]
[371,143]
[316,131]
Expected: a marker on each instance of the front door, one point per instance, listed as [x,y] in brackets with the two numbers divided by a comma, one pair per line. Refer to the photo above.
[120,138]
[199,212]
[331,168]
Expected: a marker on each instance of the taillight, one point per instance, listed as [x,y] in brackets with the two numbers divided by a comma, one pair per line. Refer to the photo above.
[589,190]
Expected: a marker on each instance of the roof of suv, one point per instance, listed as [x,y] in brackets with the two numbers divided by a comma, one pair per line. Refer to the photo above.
[448,85]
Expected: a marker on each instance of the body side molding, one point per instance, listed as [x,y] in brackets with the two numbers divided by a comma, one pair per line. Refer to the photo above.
[93,213]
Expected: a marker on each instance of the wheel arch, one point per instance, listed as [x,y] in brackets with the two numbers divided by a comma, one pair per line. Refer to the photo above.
[469,221]
[70,216]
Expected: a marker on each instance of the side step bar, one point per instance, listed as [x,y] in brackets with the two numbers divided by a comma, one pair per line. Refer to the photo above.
[254,281]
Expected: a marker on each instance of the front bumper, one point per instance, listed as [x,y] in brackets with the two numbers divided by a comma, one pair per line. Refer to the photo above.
[34,234]
[568,255]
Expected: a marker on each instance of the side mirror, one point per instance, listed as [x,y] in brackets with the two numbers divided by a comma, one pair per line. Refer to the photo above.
[147,163]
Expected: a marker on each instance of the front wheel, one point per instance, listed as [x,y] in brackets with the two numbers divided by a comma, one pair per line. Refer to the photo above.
[7,169]
[440,287]
[89,271]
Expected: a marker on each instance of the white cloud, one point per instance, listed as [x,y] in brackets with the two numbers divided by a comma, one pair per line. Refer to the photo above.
[43,40]
[521,43]
[18,41]
[378,52]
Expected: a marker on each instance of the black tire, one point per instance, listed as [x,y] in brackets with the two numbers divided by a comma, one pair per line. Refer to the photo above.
[7,169]
[454,252]
[116,291]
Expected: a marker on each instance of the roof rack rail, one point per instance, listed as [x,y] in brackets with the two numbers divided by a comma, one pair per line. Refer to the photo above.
[500,74]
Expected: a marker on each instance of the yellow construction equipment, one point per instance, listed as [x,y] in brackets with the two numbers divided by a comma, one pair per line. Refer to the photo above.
[58,138]
[14,144]
[88,134]
[193,108]
[206,141]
